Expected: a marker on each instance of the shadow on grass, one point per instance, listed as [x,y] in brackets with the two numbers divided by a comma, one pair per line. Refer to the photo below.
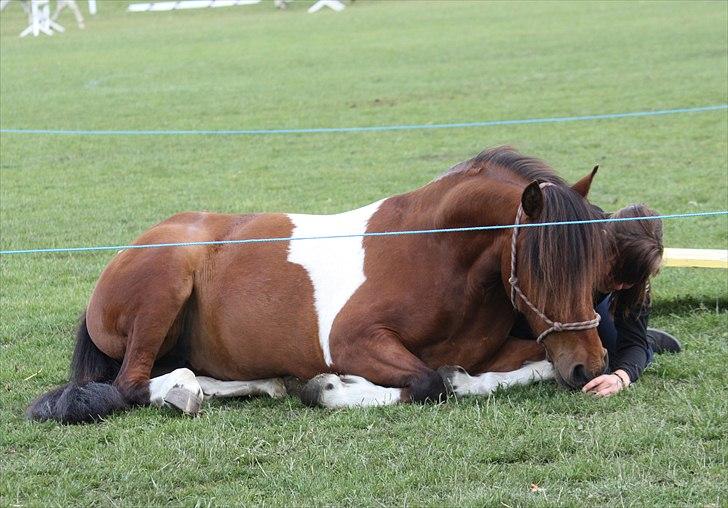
[688,304]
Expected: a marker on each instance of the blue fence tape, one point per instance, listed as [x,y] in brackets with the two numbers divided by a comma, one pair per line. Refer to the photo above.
[355,235]
[376,128]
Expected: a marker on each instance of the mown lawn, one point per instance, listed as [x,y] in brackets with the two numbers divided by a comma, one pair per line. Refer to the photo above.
[663,442]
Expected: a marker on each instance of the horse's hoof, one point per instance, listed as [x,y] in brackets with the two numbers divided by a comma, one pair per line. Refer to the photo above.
[310,393]
[277,388]
[186,401]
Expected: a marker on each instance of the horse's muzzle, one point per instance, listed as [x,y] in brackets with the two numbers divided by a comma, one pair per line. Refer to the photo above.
[580,376]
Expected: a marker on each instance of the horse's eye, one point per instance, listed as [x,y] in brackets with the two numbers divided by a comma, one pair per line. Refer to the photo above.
[329,386]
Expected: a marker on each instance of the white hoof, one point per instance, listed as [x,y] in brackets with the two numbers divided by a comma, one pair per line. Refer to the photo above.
[178,389]
[186,401]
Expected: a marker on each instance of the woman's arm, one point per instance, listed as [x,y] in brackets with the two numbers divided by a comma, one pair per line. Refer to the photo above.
[630,359]
[632,353]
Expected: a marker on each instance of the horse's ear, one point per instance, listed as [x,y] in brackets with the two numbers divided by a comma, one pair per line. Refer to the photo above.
[532,200]
[582,186]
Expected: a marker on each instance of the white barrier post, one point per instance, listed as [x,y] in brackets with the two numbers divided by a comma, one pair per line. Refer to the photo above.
[331,4]
[40,19]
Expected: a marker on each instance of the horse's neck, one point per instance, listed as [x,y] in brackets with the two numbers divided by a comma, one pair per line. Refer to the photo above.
[477,259]
[456,201]
[464,201]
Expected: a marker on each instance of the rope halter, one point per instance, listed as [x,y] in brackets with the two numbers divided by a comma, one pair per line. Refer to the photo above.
[553,326]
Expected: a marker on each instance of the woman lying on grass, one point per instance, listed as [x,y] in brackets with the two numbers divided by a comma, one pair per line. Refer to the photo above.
[623,302]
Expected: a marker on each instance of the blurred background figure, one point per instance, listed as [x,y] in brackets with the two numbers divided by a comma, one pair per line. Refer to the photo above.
[71,4]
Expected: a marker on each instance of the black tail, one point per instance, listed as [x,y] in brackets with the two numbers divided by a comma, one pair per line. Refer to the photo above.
[87,397]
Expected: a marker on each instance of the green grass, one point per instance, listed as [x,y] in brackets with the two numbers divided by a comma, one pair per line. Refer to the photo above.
[663,442]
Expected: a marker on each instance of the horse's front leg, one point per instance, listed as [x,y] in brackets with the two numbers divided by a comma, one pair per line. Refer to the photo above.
[379,371]
[517,362]
[337,391]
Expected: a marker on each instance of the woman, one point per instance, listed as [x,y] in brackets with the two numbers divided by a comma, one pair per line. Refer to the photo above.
[624,301]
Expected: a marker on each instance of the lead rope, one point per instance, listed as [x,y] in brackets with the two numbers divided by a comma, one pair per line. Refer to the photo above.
[554,326]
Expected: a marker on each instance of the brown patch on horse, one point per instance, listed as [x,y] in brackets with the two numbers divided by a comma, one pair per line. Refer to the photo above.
[256,316]
[513,354]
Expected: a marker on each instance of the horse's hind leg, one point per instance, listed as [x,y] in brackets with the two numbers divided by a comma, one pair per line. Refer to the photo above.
[273,387]
[185,391]
[180,388]
[136,313]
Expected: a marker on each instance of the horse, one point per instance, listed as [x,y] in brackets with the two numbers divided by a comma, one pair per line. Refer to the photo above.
[362,320]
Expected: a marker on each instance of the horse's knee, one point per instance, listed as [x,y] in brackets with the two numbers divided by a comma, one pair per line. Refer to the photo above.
[429,387]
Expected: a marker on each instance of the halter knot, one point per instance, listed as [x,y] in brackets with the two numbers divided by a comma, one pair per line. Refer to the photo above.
[558,327]
[513,280]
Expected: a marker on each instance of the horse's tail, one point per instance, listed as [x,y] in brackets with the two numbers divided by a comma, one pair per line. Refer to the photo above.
[88,396]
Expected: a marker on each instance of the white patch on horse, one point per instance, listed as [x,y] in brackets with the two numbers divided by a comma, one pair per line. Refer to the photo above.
[335,266]
[160,387]
[484,384]
[354,391]
[273,387]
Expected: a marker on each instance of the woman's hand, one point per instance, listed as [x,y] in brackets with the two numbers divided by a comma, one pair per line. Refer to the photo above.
[607,384]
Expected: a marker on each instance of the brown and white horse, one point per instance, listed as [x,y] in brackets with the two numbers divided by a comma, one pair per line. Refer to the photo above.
[367,320]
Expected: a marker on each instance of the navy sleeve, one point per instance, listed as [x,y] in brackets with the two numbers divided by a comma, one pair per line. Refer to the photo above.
[631,355]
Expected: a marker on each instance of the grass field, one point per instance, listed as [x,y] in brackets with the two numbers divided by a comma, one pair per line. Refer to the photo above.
[662,442]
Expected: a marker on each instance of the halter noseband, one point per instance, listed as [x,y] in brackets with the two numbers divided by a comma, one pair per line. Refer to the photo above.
[554,326]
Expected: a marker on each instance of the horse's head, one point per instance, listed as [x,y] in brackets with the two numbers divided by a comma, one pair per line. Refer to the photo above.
[553,270]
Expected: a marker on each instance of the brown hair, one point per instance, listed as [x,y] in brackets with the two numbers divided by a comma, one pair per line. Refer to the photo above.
[636,256]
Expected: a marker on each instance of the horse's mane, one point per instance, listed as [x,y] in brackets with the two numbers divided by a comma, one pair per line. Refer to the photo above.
[505,157]
[564,261]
